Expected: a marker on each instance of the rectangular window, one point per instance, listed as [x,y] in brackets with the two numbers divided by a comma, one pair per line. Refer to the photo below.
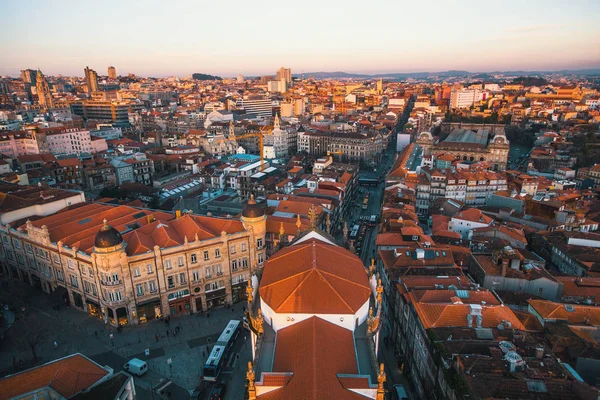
[94,291]
[261,258]
[217,253]
[115,278]
[149,266]
[60,275]
[70,263]
[219,270]
[28,248]
[193,258]
[234,265]
[207,272]
[233,249]
[91,272]
[243,246]
[86,286]
[182,278]
[152,286]
[20,259]
[170,282]
[74,281]
[136,272]
[245,263]
[206,256]
[118,296]
[17,243]
[180,261]
[139,289]
[195,276]
[168,264]
[259,243]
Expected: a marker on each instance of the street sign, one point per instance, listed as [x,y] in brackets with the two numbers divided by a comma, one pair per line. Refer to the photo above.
[147,352]
[169,361]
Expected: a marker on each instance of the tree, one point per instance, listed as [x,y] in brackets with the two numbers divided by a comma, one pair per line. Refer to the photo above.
[29,333]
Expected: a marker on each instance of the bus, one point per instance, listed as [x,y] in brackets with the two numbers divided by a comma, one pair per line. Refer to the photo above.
[368,182]
[354,232]
[365,201]
[219,353]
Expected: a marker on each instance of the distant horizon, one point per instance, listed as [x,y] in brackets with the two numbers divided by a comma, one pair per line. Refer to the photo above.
[417,71]
[160,39]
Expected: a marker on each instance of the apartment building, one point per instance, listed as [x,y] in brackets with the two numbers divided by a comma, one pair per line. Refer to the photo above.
[115,111]
[259,105]
[15,144]
[472,187]
[70,141]
[128,266]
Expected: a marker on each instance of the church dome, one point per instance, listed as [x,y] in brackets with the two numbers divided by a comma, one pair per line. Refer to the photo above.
[107,236]
[252,209]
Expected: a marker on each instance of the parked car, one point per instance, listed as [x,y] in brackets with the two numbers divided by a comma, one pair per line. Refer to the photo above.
[136,366]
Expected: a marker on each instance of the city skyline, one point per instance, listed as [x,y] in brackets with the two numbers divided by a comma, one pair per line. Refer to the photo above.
[256,42]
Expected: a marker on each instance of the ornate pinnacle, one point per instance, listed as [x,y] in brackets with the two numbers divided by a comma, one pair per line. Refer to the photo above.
[249,291]
[298,223]
[379,290]
[259,322]
[312,215]
[281,230]
[380,378]
[372,268]
[250,377]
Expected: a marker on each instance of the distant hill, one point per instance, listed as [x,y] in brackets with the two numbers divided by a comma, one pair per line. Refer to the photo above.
[206,77]
[442,74]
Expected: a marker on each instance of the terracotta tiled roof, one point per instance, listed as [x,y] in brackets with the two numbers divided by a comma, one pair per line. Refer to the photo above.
[473,215]
[314,277]
[447,315]
[67,376]
[573,313]
[315,351]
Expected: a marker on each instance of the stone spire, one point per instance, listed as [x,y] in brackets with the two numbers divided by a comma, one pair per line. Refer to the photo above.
[379,290]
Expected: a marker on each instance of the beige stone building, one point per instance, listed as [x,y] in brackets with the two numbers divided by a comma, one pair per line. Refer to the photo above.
[126,265]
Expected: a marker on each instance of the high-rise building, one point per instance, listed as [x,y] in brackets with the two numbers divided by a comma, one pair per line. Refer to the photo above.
[259,105]
[284,74]
[28,76]
[240,78]
[43,90]
[91,80]
[112,72]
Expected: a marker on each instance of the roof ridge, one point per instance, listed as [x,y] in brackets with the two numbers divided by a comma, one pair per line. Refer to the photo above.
[284,279]
[301,247]
[342,278]
[295,289]
[334,290]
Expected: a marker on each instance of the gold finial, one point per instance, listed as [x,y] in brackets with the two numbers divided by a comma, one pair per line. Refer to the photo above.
[372,268]
[259,322]
[252,200]
[298,223]
[281,230]
[370,321]
[249,291]
[250,377]
[380,382]
[379,290]
[312,215]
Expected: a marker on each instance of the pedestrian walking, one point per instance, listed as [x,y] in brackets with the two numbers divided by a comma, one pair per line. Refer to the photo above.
[55,345]
[96,334]
[167,333]
[112,339]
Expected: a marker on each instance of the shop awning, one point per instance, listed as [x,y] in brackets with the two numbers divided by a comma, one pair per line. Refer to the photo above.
[149,301]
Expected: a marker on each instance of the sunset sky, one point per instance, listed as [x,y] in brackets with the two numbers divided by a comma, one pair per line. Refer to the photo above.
[160,38]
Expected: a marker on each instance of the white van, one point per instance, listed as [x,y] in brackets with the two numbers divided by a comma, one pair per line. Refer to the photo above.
[136,366]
